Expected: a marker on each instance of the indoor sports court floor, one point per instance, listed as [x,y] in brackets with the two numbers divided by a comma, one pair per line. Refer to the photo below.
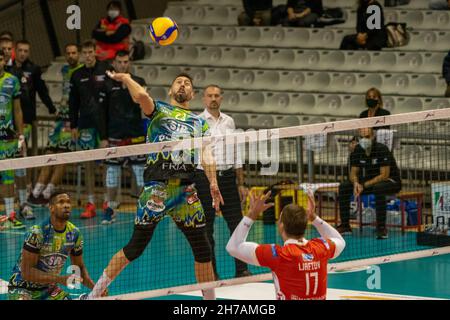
[168,262]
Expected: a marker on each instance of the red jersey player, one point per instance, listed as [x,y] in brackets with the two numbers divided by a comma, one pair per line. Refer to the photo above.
[299,267]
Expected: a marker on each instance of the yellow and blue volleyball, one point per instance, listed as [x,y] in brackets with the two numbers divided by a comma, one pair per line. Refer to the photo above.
[163,31]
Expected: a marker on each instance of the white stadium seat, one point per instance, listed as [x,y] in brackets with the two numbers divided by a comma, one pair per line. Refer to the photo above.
[159,93]
[227,15]
[53,72]
[325,38]
[294,104]
[304,59]
[55,90]
[287,121]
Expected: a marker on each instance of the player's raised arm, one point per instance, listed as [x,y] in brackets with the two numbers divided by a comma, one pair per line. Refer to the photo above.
[325,230]
[209,167]
[237,246]
[137,92]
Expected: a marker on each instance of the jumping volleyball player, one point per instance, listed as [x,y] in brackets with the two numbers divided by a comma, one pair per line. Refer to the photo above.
[299,267]
[168,185]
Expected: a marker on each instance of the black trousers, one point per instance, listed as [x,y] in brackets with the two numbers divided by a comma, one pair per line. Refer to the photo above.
[380,190]
[304,22]
[231,210]
[373,44]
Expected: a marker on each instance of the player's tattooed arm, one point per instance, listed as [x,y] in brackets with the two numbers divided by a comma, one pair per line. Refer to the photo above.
[209,167]
[137,92]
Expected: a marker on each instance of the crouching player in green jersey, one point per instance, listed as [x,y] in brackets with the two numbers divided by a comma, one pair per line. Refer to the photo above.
[37,274]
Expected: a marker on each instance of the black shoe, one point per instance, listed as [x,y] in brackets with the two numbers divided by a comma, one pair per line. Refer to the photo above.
[244,273]
[382,234]
[37,202]
[344,229]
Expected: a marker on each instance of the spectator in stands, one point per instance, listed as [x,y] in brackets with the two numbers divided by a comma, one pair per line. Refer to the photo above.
[373,171]
[374,103]
[366,38]
[60,138]
[30,76]
[303,13]
[87,114]
[112,33]
[446,73]
[257,13]
[439,4]
[124,128]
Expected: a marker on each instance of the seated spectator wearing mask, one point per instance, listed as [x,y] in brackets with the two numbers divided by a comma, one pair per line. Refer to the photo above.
[257,13]
[374,103]
[303,13]
[366,39]
[112,33]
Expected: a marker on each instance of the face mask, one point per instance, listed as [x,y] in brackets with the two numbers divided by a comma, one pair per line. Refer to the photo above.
[113,14]
[372,103]
[365,143]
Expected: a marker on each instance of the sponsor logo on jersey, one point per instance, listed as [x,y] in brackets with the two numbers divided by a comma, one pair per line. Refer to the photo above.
[274,250]
[307,257]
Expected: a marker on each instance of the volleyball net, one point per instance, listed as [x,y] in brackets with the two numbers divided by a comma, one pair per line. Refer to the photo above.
[403,215]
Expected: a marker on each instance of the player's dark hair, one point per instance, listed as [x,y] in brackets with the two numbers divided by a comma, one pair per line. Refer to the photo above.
[23,41]
[213,86]
[6,39]
[294,220]
[184,75]
[115,4]
[55,194]
[88,44]
[72,44]
[6,34]
[122,53]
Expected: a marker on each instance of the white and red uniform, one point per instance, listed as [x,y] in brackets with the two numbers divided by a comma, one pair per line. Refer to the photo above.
[299,268]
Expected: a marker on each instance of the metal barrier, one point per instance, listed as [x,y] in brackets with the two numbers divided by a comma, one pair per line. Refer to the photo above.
[421,152]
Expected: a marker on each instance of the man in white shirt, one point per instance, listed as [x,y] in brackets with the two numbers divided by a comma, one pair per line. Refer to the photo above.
[230,176]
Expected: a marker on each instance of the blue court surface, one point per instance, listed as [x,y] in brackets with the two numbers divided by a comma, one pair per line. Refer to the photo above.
[168,262]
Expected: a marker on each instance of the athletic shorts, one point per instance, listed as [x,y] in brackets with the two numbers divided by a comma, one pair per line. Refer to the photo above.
[89,139]
[139,159]
[180,201]
[8,150]
[60,138]
[51,293]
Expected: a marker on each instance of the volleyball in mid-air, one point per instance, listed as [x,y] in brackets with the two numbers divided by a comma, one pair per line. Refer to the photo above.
[163,31]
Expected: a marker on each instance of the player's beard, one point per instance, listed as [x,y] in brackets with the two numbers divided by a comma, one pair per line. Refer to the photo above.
[63,216]
[181,97]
